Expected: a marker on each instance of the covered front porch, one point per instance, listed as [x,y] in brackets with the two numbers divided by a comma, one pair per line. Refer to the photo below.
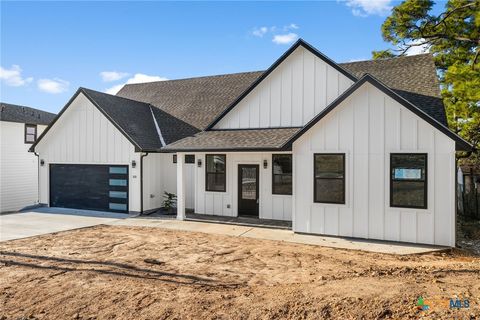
[245,188]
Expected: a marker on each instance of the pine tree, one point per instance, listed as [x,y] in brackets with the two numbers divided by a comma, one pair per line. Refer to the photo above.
[454,39]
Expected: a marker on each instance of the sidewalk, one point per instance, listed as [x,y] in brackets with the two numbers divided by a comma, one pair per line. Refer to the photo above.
[281,235]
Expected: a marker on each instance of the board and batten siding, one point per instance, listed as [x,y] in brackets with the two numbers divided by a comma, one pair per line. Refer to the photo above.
[271,206]
[290,96]
[18,168]
[83,135]
[367,127]
[160,176]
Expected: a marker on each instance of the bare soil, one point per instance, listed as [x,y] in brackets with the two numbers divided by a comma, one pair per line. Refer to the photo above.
[109,272]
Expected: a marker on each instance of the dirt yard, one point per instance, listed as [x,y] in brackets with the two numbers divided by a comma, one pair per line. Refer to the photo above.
[149,273]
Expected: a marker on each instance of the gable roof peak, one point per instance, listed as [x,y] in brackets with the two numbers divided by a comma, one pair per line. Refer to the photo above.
[285,55]
[460,143]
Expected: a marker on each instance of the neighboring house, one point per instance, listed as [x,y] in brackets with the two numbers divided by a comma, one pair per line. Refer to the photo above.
[359,149]
[19,128]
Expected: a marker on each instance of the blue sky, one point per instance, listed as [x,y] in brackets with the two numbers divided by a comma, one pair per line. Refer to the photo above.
[49,49]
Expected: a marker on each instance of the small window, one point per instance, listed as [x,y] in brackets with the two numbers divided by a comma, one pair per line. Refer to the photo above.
[329,178]
[30,133]
[174,158]
[117,206]
[189,158]
[118,182]
[215,178]
[408,184]
[117,170]
[282,174]
[118,194]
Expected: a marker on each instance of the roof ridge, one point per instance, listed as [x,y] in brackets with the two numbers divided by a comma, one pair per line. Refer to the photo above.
[23,106]
[192,78]
[112,95]
[390,59]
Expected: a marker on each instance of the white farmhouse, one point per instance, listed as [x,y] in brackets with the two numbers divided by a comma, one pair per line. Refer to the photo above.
[19,128]
[360,149]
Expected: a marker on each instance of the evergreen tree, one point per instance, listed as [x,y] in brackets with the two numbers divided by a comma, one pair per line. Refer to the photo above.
[453,37]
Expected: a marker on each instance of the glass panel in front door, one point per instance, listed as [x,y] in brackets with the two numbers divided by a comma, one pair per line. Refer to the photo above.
[249,183]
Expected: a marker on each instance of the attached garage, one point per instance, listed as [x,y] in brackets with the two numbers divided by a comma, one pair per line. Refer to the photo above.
[100,153]
[92,187]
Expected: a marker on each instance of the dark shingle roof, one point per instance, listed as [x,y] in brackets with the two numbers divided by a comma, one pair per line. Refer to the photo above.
[172,129]
[412,77]
[22,114]
[196,101]
[134,118]
[235,140]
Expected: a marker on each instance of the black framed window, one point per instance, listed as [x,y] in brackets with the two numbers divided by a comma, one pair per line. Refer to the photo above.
[30,133]
[329,178]
[215,177]
[282,174]
[189,158]
[174,158]
[408,182]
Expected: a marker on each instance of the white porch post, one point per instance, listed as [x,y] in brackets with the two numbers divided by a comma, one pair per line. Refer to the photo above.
[180,186]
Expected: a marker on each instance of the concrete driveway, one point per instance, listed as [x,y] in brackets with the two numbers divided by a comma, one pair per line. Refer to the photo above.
[47,220]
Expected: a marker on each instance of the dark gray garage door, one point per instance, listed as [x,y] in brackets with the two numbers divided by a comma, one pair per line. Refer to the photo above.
[92,187]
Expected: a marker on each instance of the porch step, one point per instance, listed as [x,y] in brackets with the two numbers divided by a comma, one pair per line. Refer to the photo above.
[240,221]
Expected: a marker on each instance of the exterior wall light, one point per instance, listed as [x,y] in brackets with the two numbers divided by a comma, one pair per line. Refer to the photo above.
[134,163]
[199,162]
[42,162]
[265,164]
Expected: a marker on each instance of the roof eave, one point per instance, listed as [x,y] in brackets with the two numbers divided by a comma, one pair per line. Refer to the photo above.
[237,149]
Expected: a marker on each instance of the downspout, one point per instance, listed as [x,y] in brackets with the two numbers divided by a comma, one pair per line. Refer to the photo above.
[143,155]
[38,176]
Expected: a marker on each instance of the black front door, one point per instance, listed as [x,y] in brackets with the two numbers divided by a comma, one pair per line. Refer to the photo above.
[248,190]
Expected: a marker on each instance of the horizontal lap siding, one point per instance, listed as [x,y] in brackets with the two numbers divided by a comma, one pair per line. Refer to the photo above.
[18,168]
[278,207]
[83,135]
[367,127]
[298,89]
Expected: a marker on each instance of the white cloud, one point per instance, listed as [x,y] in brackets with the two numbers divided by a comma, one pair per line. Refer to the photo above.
[13,76]
[260,32]
[137,78]
[108,76]
[291,26]
[356,59]
[285,38]
[114,89]
[418,47]
[364,8]
[54,85]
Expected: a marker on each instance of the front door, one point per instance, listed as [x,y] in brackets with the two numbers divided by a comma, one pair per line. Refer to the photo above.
[248,190]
